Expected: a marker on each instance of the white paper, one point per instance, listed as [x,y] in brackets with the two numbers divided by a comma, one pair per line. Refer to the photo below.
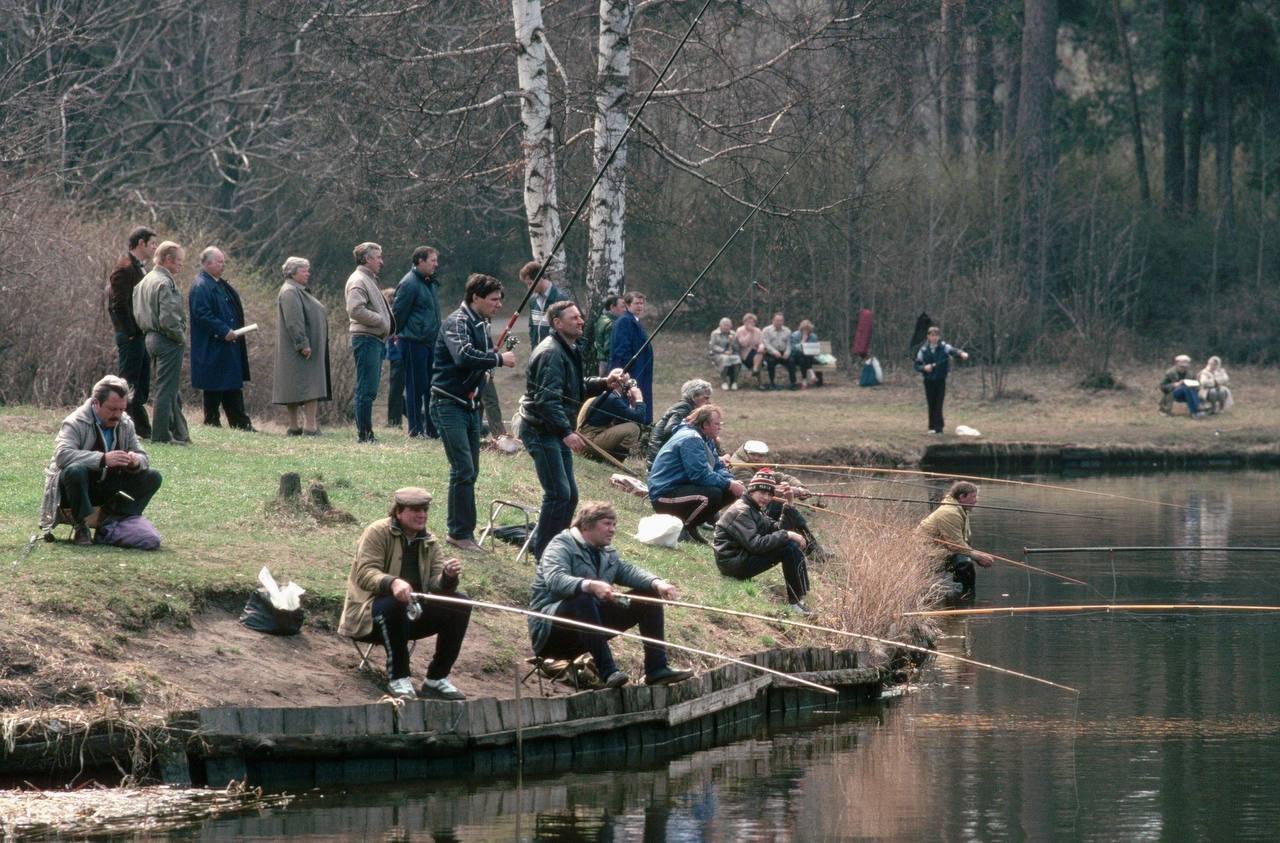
[240,332]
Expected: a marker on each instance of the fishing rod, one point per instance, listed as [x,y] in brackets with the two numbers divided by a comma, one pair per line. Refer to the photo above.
[1149,549]
[972,477]
[577,212]
[975,506]
[1093,607]
[1015,563]
[740,228]
[460,601]
[834,631]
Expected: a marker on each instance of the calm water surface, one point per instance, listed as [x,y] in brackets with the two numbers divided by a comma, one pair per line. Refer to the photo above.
[1175,734]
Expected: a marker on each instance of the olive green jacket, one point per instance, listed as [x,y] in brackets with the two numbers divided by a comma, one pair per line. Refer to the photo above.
[949,523]
[377,565]
[158,306]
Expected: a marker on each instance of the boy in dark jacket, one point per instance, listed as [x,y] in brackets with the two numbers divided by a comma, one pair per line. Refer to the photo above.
[933,360]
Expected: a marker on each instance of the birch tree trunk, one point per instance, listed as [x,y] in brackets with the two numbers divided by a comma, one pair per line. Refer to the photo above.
[606,260]
[541,206]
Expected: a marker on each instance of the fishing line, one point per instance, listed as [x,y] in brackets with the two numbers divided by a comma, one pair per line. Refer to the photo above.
[577,212]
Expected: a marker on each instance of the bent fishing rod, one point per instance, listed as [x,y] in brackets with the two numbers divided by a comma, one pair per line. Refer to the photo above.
[951,545]
[613,153]
[736,231]
[460,601]
[975,505]
[860,636]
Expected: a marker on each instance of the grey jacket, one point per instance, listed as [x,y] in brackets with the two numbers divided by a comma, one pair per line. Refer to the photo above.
[80,442]
[568,561]
[366,308]
[744,531]
[158,306]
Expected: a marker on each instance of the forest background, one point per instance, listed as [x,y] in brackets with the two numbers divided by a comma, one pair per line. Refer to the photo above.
[1071,182]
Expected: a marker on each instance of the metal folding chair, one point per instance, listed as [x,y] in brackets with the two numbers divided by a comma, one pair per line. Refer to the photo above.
[495,509]
[365,648]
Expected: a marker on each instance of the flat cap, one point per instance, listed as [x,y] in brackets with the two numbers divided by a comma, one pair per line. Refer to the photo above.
[412,496]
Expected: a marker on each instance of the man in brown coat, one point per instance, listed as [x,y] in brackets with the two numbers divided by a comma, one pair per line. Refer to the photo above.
[131,341]
[948,525]
[395,559]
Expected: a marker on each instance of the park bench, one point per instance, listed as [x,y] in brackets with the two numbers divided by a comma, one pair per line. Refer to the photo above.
[824,347]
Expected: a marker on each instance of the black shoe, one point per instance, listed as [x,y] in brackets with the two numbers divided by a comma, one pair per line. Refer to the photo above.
[293,431]
[691,534]
[367,436]
[667,676]
[82,537]
[616,679]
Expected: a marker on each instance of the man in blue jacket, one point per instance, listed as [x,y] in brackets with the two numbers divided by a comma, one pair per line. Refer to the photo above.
[219,358]
[464,357]
[627,338]
[417,312]
[933,360]
[688,478]
[613,421]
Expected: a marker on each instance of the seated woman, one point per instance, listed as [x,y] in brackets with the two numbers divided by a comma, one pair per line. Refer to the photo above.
[725,353]
[801,339]
[1214,392]
[395,559]
[751,344]
[748,542]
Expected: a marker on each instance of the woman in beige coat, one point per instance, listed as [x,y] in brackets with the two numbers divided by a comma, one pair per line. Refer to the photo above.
[1215,395]
[302,350]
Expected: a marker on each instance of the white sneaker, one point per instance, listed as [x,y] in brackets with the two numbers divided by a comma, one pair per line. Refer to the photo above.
[402,688]
[441,689]
[733,385]
[724,385]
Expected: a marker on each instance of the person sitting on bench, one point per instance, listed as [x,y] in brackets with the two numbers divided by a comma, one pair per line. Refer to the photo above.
[99,471]
[395,559]
[575,579]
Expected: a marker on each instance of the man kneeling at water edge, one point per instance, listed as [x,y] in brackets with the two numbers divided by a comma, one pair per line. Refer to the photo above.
[575,580]
[396,557]
[949,524]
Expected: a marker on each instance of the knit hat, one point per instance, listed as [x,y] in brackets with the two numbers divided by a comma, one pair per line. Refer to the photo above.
[763,481]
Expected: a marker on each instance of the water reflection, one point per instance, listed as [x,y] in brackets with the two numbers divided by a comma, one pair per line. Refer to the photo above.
[1175,735]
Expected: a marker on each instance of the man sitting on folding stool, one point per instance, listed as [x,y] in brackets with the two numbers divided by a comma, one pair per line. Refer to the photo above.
[395,558]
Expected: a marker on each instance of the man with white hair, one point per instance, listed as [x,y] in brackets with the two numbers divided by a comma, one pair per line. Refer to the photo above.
[693,394]
[370,324]
[219,356]
[1177,386]
[99,470]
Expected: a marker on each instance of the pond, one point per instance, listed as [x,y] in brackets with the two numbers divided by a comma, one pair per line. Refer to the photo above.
[1175,733]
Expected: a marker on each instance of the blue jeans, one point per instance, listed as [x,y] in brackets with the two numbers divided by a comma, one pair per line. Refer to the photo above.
[1189,396]
[368,352]
[417,386]
[554,463]
[460,431]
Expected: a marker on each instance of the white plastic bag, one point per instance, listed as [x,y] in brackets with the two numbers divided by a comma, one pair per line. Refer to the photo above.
[661,530]
[965,430]
[287,599]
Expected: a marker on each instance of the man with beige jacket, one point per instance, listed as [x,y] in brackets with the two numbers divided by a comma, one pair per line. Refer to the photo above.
[948,525]
[162,315]
[370,324]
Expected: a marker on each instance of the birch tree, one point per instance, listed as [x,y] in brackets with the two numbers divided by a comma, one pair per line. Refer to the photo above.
[606,258]
[539,135]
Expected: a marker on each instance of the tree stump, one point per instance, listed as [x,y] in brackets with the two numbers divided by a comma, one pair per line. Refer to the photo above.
[321,509]
[290,487]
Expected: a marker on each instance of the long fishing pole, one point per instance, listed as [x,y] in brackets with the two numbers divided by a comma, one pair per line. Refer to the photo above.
[973,477]
[1015,563]
[1151,549]
[738,230]
[459,601]
[975,506]
[577,212]
[872,638]
[1093,607]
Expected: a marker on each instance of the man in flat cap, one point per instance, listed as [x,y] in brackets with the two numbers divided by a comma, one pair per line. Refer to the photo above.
[395,559]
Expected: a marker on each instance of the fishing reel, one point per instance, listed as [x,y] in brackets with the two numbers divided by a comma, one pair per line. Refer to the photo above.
[510,343]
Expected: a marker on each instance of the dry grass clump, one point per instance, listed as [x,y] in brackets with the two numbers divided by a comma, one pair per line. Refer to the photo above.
[881,570]
[112,811]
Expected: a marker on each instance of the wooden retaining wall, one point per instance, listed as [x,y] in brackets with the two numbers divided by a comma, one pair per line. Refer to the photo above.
[385,742]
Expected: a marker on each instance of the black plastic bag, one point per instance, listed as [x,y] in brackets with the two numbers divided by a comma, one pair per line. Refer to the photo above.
[516,534]
[260,616]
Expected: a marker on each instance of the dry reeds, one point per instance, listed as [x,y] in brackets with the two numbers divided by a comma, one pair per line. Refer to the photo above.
[880,571]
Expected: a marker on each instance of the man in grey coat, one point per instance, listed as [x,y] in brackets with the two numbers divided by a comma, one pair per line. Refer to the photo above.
[575,580]
[162,315]
[98,470]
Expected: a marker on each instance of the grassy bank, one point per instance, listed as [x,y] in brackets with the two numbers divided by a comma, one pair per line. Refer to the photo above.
[155,627]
